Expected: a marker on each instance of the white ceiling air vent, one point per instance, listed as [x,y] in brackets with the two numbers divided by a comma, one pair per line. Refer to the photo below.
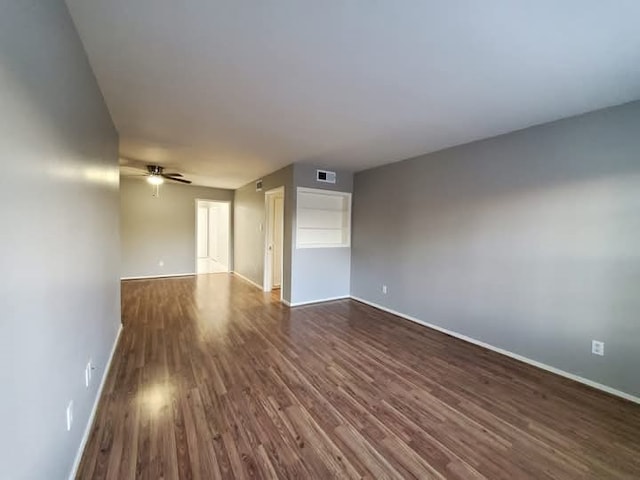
[259,185]
[325,176]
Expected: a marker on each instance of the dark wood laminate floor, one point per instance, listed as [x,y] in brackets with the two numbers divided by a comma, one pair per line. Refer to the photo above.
[214,379]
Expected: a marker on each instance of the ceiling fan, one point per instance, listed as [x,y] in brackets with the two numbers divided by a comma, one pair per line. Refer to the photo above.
[156,176]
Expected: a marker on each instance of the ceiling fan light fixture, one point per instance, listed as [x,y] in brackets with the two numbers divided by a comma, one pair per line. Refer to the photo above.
[155,179]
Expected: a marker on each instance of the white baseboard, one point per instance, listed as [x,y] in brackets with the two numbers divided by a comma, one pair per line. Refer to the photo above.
[87,430]
[502,351]
[247,280]
[310,302]
[158,276]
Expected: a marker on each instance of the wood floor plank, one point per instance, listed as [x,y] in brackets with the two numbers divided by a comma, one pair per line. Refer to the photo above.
[213,378]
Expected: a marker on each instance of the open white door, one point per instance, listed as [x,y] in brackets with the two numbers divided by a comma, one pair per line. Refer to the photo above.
[278,224]
[274,239]
[212,236]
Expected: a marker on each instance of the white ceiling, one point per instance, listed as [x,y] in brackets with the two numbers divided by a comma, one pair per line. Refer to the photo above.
[229,90]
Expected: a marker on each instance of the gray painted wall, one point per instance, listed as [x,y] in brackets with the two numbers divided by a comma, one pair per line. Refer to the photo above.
[320,273]
[59,242]
[249,220]
[529,242]
[163,228]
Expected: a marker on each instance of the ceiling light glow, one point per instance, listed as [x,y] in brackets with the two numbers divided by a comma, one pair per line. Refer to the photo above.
[155,179]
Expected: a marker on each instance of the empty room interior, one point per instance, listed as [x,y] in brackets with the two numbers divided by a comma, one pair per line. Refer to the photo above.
[286,239]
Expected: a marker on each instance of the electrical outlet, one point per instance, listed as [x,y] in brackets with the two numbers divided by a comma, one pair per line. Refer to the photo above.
[69,415]
[384,289]
[87,374]
[597,347]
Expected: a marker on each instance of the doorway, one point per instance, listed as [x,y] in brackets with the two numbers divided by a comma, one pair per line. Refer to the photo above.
[212,236]
[274,240]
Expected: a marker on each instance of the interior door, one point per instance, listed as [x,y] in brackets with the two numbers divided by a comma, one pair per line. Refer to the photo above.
[203,232]
[278,220]
[214,241]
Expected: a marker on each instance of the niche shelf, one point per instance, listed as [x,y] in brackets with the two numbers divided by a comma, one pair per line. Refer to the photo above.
[323,218]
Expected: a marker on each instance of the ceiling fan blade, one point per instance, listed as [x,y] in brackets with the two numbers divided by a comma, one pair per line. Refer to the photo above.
[173,174]
[176,179]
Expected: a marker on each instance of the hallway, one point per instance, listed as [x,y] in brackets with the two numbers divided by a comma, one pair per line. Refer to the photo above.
[213,378]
